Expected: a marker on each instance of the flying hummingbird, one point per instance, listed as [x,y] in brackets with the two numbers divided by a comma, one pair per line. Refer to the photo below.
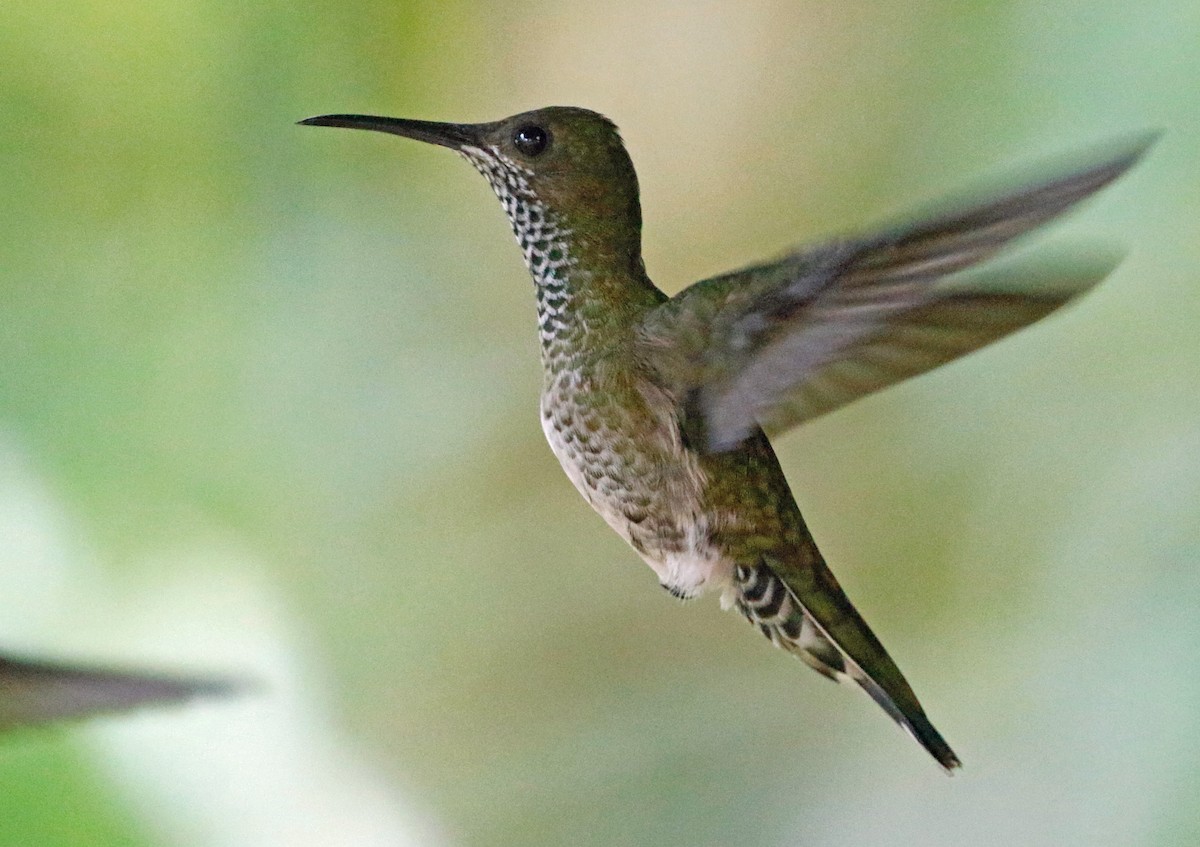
[35,691]
[656,406]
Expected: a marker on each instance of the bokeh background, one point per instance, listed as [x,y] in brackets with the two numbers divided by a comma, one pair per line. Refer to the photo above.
[268,404]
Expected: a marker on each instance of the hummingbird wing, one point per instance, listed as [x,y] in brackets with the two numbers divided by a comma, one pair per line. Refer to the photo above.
[779,343]
[35,692]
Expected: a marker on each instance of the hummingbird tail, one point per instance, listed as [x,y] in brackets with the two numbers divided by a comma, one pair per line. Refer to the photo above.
[770,604]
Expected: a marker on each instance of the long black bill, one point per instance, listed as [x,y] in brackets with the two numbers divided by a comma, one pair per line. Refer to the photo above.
[454,136]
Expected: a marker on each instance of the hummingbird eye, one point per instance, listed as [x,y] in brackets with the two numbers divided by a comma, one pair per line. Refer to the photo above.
[531,140]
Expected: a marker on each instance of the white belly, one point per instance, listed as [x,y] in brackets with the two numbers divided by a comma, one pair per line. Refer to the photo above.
[674,542]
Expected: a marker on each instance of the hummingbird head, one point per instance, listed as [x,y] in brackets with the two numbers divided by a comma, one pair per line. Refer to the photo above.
[562,174]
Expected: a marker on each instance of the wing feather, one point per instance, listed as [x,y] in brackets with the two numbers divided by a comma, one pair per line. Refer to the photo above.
[34,692]
[780,343]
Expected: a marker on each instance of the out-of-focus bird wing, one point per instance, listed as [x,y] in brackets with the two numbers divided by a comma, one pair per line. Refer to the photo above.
[35,692]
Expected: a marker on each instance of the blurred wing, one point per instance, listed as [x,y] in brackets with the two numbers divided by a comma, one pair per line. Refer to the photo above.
[777,344]
[37,692]
[909,343]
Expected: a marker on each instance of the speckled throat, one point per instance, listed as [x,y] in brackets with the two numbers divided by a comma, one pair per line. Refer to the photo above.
[544,238]
[612,432]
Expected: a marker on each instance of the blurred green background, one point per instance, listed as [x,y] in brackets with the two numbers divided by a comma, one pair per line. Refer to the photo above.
[268,403]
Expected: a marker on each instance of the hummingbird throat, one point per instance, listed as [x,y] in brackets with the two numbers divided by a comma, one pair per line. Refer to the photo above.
[543,237]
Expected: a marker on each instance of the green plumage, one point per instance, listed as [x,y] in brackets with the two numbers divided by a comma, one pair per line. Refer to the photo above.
[656,407]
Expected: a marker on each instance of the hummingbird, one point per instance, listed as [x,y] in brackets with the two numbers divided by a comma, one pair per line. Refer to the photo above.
[658,407]
[35,691]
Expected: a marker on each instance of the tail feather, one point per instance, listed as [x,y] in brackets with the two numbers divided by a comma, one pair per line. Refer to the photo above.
[772,606]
